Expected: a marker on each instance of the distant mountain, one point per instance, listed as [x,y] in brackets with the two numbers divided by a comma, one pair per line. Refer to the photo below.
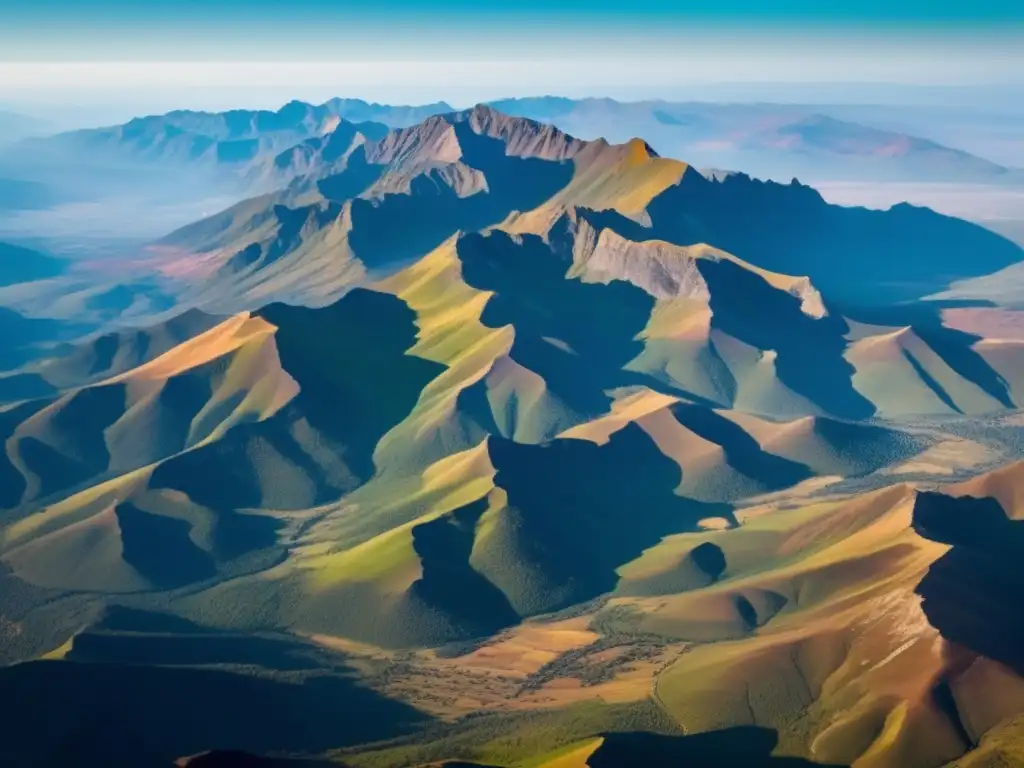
[23,265]
[22,195]
[19,193]
[316,155]
[21,333]
[766,140]
[14,126]
[164,163]
[883,154]
[232,138]
[160,166]
[357,110]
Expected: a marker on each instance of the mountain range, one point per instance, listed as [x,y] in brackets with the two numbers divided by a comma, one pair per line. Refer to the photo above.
[15,126]
[231,138]
[479,168]
[767,140]
[477,443]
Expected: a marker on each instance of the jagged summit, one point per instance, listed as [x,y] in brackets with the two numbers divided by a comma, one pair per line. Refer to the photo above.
[448,138]
[522,137]
[480,168]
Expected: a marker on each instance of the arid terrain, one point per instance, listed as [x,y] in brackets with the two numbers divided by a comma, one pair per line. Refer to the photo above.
[470,442]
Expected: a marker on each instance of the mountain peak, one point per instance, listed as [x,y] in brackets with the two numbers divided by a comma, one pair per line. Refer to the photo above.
[432,140]
[523,137]
[330,124]
[294,104]
[640,149]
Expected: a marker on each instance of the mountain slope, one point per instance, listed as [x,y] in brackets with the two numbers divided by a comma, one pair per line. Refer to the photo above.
[184,137]
[919,698]
[477,169]
[694,319]
[443,434]
[768,140]
[477,418]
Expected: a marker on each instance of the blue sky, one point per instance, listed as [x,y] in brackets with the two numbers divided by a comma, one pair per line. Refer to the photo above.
[469,50]
[267,29]
[918,11]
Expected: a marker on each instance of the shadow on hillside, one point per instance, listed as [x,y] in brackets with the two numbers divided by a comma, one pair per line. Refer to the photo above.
[23,265]
[810,350]
[161,548]
[402,226]
[76,450]
[22,335]
[448,581]
[576,335]
[742,452]
[73,446]
[121,618]
[357,177]
[106,355]
[956,347]
[974,594]
[123,635]
[746,746]
[12,481]
[251,693]
[235,759]
[577,511]
[294,225]
[355,381]
[24,386]
[855,255]
[78,446]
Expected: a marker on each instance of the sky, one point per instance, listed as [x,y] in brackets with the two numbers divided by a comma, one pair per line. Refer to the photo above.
[217,53]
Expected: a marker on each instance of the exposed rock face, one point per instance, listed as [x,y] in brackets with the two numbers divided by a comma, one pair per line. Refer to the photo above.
[434,139]
[665,271]
[524,138]
[811,302]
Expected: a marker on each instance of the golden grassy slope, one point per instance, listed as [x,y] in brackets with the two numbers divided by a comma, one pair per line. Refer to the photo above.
[449,332]
[623,178]
[192,393]
[902,375]
[821,636]
[1005,485]
[812,629]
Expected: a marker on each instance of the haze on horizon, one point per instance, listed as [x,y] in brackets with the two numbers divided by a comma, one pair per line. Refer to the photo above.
[112,59]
